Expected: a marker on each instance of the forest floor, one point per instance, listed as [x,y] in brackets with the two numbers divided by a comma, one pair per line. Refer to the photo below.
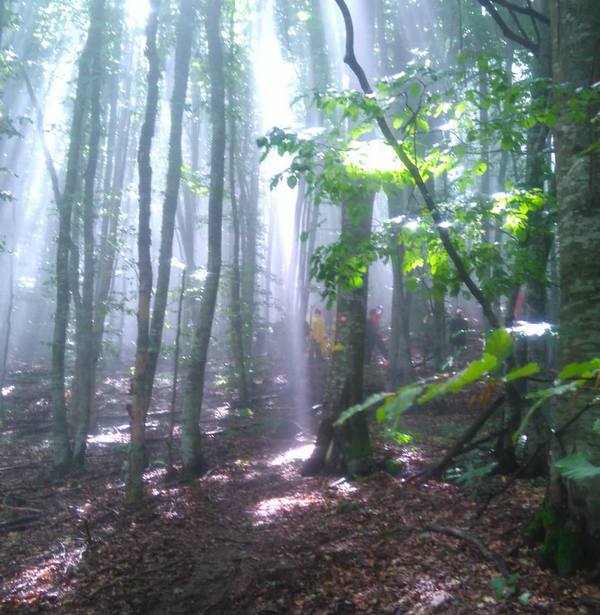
[252,535]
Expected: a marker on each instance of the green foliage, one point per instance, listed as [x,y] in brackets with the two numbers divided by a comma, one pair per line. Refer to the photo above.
[505,588]
[577,467]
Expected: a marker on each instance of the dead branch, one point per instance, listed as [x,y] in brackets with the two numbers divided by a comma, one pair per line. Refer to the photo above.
[462,535]
[455,533]
[19,524]
[458,448]
[21,508]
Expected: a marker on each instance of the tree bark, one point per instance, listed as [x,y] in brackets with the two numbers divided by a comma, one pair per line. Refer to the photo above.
[346,449]
[576,64]
[183,50]
[191,448]
[62,446]
[86,342]
[135,488]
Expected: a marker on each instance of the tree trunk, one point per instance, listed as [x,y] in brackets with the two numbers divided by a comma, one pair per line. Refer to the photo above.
[183,50]
[346,449]
[135,488]
[576,46]
[400,370]
[237,327]
[191,449]
[86,345]
[62,447]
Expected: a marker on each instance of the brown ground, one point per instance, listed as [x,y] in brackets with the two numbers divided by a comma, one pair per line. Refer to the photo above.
[252,536]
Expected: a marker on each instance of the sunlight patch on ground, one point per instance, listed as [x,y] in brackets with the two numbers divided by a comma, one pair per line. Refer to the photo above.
[218,478]
[299,453]
[269,509]
[109,437]
[33,581]
[343,486]
[7,390]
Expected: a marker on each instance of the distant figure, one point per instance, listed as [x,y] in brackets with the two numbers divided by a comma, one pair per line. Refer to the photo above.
[458,327]
[317,339]
[373,339]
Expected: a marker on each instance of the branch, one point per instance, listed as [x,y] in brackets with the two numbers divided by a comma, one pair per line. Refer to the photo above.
[458,448]
[463,274]
[488,5]
[40,126]
[529,11]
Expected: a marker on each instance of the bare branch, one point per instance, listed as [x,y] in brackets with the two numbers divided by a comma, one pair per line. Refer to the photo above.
[40,130]
[524,41]
[529,10]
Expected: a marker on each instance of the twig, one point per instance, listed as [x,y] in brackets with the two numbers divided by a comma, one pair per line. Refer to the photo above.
[461,535]
[458,448]
[21,508]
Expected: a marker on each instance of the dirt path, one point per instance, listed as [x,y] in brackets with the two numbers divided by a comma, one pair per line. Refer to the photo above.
[252,536]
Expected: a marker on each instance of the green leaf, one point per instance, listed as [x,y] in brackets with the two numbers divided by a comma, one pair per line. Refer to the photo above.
[596,427]
[366,405]
[459,110]
[473,372]
[480,168]
[499,343]
[542,396]
[577,467]
[292,181]
[580,370]
[415,89]
[400,403]
[522,372]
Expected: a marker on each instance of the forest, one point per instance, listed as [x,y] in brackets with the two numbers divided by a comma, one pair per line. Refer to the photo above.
[299,307]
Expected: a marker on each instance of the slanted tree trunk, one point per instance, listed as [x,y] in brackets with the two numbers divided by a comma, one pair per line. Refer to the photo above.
[574,533]
[346,449]
[140,400]
[191,447]
[61,445]
[86,342]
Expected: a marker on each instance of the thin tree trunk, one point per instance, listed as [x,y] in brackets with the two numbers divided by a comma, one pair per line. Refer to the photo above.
[237,326]
[191,449]
[87,342]
[183,50]
[175,376]
[135,487]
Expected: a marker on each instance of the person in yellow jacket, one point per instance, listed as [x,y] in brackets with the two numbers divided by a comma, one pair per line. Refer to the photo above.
[317,337]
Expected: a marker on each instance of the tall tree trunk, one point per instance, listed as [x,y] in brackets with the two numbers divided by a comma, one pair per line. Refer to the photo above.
[86,345]
[346,449]
[183,49]
[400,369]
[191,448]
[62,447]
[237,327]
[135,488]
[576,64]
